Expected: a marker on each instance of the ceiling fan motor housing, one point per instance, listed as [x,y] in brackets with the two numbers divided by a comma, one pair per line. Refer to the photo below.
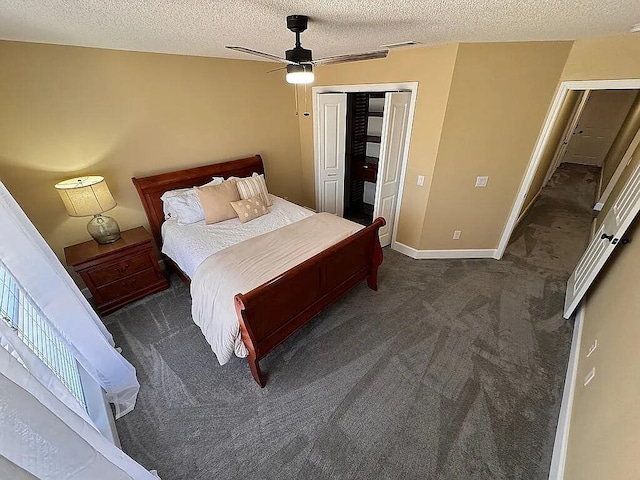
[298,55]
[298,24]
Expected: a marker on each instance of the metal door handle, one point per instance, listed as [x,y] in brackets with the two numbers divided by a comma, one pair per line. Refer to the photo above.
[613,241]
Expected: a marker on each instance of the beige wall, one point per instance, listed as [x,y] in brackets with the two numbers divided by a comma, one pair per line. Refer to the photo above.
[604,58]
[499,97]
[605,424]
[432,67]
[68,111]
[479,110]
[621,143]
[605,427]
[555,137]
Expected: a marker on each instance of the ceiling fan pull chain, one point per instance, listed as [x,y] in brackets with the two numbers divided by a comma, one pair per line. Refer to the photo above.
[295,88]
[306,110]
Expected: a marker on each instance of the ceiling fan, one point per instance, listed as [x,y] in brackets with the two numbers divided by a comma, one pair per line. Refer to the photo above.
[299,60]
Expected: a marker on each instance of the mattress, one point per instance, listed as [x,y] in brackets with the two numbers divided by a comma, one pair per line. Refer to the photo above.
[189,245]
[243,267]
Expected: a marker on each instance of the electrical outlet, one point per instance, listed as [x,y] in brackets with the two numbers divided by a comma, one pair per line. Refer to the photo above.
[482,181]
[456,234]
[420,180]
[592,347]
[589,377]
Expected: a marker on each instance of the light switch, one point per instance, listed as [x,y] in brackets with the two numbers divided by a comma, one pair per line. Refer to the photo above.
[421,180]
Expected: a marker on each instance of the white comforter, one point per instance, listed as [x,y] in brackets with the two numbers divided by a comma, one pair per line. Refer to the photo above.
[247,265]
[189,245]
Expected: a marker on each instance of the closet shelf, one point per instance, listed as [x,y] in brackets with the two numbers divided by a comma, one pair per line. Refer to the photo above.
[376,114]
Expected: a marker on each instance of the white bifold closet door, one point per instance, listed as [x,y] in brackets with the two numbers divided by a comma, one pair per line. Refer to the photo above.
[609,236]
[332,128]
[392,144]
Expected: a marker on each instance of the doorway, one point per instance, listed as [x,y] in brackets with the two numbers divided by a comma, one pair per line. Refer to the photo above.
[600,126]
[598,123]
[566,92]
[619,210]
[365,111]
[361,143]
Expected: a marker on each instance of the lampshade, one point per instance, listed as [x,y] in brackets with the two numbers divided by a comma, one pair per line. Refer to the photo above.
[85,196]
[300,74]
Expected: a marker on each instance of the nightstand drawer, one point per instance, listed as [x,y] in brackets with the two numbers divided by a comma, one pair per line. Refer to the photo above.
[121,269]
[120,272]
[128,286]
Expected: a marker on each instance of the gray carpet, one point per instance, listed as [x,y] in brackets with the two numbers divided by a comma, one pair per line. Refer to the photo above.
[452,370]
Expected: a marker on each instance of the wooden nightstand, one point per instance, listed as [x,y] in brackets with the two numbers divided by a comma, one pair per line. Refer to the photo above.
[120,272]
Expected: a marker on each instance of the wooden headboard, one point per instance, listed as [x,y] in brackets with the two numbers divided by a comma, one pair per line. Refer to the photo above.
[151,188]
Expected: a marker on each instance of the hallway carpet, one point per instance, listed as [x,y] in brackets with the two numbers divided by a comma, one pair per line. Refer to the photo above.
[454,369]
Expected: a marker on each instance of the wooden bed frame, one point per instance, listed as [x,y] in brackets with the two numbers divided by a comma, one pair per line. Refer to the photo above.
[270,313]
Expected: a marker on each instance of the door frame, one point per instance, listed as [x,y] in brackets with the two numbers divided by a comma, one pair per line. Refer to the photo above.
[543,139]
[566,135]
[368,87]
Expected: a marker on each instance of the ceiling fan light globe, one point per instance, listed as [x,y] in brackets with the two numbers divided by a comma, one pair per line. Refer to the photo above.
[300,74]
[300,77]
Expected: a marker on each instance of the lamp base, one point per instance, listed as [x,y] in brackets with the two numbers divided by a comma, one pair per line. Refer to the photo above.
[103,229]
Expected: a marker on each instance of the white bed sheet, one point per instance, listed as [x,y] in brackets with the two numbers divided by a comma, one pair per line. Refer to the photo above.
[190,245]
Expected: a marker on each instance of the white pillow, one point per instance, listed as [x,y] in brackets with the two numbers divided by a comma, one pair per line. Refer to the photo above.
[184,205]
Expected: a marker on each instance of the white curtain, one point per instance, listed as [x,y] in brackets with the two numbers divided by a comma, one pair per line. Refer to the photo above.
[10,341]
[39,272]
[40,437]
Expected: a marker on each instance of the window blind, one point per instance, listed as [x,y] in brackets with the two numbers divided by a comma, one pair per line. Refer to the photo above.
[23,316]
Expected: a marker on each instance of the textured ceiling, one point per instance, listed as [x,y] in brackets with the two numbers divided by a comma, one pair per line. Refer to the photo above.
[197,27]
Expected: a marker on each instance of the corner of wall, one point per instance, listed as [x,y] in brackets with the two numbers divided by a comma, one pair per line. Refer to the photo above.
[486,132]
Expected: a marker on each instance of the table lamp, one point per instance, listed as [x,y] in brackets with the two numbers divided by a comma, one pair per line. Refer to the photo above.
[85,196]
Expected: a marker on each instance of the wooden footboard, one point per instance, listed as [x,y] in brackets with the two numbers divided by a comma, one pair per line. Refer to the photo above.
[269,314]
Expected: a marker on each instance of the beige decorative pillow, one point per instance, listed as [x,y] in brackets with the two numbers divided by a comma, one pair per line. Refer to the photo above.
[216,201]
[250,208]
[254,186]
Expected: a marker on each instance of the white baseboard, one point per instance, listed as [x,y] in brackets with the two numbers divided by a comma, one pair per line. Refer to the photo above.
[564,419]
[444,254]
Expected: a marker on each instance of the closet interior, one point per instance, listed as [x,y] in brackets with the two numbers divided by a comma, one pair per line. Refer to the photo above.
[362,152]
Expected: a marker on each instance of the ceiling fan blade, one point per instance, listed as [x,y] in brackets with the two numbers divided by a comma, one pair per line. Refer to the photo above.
[353,57]
[261,54]
[276,70]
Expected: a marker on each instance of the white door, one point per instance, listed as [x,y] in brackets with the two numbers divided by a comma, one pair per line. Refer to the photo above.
[394,133]
[598,126]
[608,237]
[332,126]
